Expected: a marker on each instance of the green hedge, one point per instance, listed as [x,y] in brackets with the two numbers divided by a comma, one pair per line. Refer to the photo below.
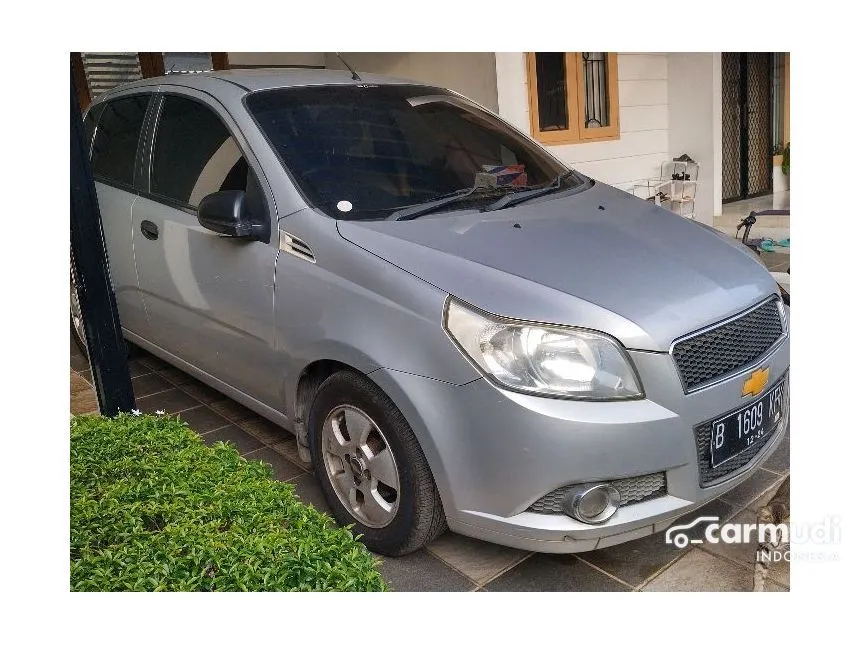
[155,509]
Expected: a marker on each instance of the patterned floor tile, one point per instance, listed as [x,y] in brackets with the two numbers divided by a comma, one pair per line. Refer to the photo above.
[236,437]
[203,419]
[701,571]
[309,491]
[480,561]
[544,572]
[282,468]
[421,571]
[149,384]
[232,410]
[266,431]
[171,401]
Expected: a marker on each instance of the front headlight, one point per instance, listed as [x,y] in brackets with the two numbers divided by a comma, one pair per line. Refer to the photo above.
[541,359]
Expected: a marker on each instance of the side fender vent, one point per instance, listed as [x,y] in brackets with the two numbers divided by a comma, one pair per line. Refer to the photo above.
[297,247]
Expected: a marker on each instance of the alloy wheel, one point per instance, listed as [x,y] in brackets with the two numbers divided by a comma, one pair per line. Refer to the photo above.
[361,466]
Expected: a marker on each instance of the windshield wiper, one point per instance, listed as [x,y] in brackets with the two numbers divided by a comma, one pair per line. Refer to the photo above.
[530,193]
[416,210]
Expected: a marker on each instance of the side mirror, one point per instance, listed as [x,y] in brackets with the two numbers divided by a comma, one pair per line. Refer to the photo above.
[226,212]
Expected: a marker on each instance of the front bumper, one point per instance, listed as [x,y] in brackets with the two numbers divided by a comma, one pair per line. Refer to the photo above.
[494,452]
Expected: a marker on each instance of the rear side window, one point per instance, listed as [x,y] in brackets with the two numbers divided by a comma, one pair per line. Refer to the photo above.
[117,136]
[194,154]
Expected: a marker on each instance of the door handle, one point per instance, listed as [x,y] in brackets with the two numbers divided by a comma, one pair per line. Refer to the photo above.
[149,230]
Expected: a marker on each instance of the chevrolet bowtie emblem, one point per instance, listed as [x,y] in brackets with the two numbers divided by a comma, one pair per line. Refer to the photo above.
[756,382]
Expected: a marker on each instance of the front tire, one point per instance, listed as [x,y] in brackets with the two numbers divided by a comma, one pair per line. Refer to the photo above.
[371,468]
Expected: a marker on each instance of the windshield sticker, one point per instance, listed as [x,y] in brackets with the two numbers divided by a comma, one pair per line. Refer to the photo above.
[344,206]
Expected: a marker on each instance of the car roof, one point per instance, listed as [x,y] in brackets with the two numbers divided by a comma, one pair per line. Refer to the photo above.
[253,80]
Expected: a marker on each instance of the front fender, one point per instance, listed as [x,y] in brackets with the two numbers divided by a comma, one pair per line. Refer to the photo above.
[353,307]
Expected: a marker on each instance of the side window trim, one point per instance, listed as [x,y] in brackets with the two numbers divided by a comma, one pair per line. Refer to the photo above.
[143,160]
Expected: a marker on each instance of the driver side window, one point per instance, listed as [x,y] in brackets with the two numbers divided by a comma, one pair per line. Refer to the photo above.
[194,155]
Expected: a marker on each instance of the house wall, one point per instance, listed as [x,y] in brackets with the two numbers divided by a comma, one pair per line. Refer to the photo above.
[470,73]
[644,118]
[276,59]
[696,123]
[780,181]
[473,74]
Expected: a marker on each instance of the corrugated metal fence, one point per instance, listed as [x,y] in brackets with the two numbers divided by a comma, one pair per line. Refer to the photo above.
[105,70]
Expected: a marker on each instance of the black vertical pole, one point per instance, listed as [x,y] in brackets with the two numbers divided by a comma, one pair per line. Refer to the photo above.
[104,340]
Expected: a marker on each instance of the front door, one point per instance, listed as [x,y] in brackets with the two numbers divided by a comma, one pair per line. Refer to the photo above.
[208,298]
[747,154]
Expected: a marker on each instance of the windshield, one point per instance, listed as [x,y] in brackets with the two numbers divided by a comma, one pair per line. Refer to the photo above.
[364,152]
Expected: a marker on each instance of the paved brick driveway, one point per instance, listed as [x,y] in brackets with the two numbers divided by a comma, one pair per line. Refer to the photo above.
[452,562]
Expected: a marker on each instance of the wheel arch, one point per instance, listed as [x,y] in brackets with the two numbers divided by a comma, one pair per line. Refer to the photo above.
[313,375]
[309,381]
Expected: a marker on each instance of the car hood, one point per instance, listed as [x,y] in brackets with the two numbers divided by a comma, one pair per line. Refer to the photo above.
[601,259]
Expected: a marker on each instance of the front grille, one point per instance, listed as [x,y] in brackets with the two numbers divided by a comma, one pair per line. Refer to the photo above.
[729,347]
[632,489]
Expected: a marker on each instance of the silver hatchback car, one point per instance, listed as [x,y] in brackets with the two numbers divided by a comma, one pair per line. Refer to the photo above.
[460,330]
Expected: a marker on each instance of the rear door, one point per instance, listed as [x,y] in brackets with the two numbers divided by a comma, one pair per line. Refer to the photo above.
[209,299]
[118,127]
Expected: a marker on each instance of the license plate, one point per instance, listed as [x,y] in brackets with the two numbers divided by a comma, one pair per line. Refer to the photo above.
[747,426]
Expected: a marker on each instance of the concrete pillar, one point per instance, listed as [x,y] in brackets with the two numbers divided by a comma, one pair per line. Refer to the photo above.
[696,123]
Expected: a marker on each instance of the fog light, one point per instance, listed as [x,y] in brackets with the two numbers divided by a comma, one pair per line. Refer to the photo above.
[592,503]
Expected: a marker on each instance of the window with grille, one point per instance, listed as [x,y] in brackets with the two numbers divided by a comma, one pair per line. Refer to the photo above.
[573,97]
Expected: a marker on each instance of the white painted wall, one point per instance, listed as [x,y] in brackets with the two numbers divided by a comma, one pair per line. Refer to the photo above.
[473,74]
[276,59]
[470,73]
[695,123]
[644,118]
[780,181]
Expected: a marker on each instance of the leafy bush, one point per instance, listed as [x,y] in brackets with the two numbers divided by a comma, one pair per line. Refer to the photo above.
[155,509]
